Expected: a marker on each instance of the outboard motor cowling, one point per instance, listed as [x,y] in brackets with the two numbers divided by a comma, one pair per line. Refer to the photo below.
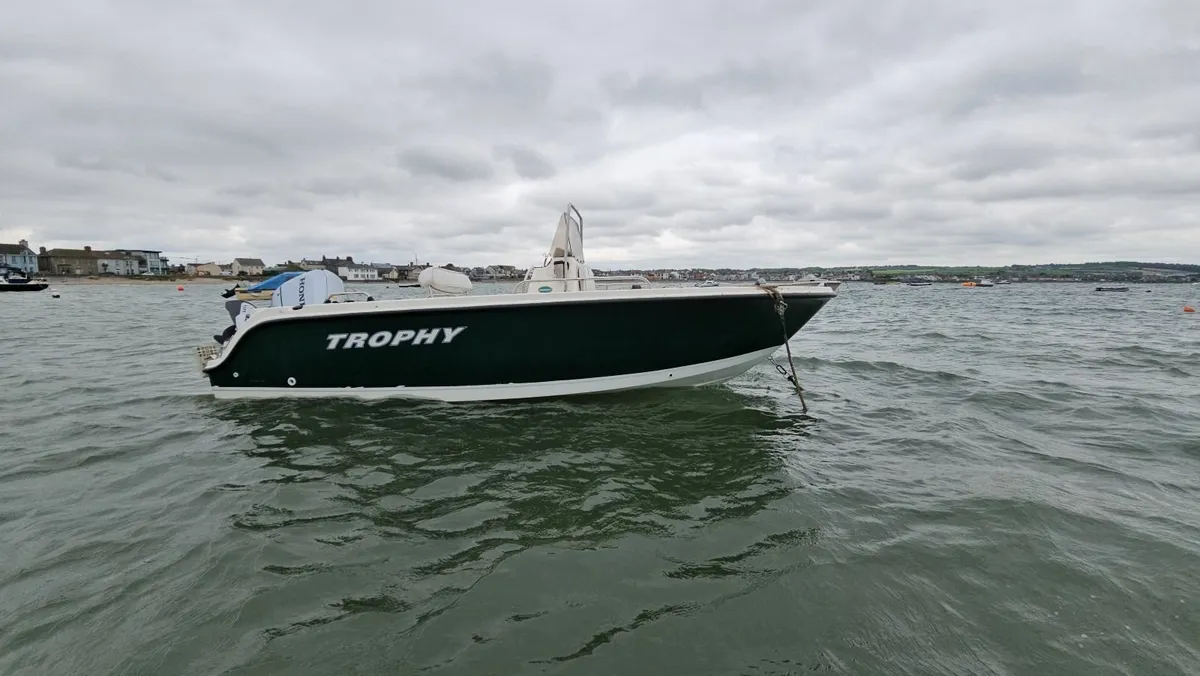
[310,288]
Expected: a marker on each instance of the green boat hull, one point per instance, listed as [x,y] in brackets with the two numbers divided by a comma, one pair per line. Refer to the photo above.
[394,348]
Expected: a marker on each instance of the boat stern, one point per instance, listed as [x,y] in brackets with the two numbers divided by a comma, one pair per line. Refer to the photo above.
[207,353]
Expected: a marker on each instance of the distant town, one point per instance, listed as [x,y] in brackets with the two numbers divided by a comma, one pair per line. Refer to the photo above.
[142,263]
[346,268]
[1120,271]
[89,262]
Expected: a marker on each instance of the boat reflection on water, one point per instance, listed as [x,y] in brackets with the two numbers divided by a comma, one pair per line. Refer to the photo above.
[585,468]
[421,512]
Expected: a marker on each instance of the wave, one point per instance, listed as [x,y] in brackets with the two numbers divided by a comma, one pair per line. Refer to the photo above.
[1006,480]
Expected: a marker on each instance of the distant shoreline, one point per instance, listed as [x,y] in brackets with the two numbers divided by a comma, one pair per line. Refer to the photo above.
[78,280]
[136,281]
[231,281]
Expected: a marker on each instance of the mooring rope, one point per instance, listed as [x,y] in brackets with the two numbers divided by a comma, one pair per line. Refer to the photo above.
[781,310]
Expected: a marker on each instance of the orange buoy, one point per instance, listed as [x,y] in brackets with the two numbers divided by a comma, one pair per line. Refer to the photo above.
[179,288]
[1188,308]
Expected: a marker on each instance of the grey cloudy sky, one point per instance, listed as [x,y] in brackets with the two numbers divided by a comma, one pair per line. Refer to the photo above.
[706,132]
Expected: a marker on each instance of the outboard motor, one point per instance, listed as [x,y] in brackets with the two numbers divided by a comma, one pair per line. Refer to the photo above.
[310,288]
[239,311]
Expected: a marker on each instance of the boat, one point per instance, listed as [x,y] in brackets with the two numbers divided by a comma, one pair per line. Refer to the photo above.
[919,283]
[812,280]
[1002,282]
[1116,289]
[708,284]
[261,291]
[985,283]
[561,331]
[16,279]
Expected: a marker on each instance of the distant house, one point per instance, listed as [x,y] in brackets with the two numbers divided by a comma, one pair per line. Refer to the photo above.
[386,271]
[19,255]
[334,264]
[250,267]
[397,273]
[87,261]
[226,270]
[154,263]
[68,261]
[306,264]
[501,272]
[204,269]
[118,263]
[358,273]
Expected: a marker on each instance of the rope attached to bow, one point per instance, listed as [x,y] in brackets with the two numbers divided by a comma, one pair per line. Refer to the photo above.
[781,310]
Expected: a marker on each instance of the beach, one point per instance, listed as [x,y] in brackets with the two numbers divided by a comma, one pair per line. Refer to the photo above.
[143,281]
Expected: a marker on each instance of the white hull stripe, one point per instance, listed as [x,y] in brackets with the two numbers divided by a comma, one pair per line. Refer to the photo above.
[684,376]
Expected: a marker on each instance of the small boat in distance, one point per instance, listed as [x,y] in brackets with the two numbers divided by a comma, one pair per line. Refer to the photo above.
[15,279]
[1116,289]
[813,280]
[1003,281]
[920,283]
[708,283]
[985,283]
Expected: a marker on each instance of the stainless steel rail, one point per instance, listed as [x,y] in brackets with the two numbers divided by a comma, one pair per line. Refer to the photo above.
[601,282]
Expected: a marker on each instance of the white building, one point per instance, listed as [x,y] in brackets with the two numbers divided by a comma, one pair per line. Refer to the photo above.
[251,267]
[19,255]
[203,269]
[358,273]
[118,263]
[154,263]
[502,272]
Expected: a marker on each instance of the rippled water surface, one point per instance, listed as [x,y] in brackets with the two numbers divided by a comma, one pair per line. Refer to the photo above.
[989,481]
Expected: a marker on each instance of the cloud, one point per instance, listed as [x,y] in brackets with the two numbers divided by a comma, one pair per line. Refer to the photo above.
[67,161]
[444,163]
[766,133]
[527,162]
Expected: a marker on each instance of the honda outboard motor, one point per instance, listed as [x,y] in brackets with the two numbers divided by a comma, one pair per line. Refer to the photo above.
[310,288]
[239,311]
